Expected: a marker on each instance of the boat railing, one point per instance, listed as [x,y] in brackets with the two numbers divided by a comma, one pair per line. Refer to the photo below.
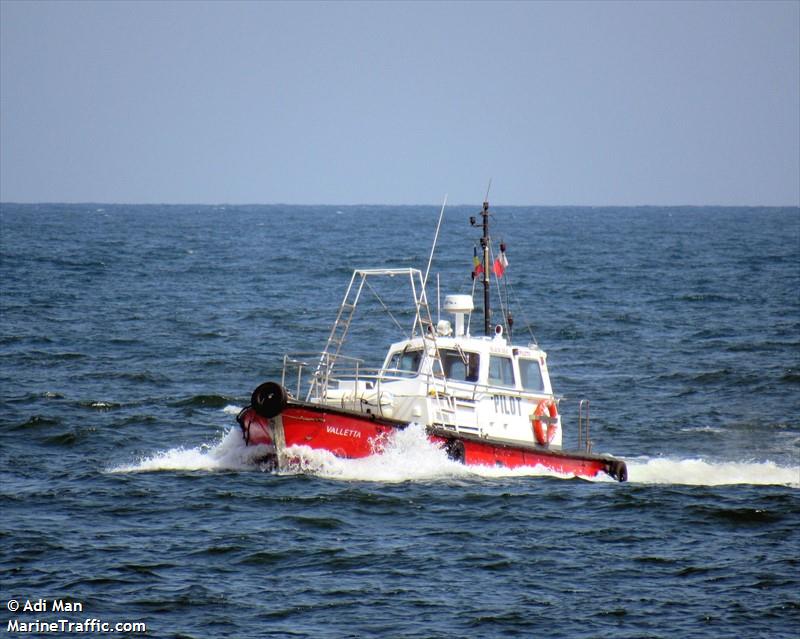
[302,372]
[305,370]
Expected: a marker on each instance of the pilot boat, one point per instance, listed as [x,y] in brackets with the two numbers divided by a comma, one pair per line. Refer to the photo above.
[482,399]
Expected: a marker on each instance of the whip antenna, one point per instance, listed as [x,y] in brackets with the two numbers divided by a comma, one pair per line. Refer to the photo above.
[435,239]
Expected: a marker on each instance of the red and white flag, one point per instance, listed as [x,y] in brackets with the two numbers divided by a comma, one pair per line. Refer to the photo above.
[500,264]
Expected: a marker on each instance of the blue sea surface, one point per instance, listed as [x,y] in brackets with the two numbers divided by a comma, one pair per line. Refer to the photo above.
[130,336]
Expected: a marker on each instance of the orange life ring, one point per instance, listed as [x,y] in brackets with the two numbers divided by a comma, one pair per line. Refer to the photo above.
[545,436]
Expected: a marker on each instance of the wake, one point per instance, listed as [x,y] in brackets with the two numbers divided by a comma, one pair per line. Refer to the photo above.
[410,456]
[699,472]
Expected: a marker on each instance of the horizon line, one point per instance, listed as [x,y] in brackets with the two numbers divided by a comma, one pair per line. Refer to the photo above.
[377,204]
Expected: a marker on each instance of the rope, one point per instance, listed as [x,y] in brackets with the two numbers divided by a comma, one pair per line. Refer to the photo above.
[385,308]
[524,317]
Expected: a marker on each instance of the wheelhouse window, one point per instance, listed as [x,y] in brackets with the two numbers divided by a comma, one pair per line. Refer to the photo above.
[501,371]
[530,370]
[460,366]
[406,361]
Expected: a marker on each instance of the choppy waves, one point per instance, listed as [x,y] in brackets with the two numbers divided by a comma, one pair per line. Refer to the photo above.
[132,337]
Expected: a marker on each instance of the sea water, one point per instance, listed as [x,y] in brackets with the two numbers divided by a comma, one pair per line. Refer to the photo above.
[132,335]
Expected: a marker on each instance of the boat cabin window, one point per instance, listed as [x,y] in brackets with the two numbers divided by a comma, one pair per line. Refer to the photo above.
[501,371]
[460,366]
[405,361]
[531,373]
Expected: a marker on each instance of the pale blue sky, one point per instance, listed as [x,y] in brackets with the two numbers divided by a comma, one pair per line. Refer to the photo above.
[570,103]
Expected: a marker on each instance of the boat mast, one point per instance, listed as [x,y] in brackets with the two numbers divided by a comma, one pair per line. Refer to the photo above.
[487,322]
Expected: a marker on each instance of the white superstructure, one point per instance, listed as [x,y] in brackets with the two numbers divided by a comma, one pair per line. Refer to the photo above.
[440,377]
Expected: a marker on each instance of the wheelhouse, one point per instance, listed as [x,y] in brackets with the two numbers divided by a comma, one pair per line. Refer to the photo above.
[476,361]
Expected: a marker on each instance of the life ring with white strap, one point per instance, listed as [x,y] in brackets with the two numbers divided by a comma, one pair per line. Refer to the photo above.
[545,428]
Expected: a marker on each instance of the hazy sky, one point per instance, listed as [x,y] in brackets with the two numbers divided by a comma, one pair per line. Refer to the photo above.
[569,103]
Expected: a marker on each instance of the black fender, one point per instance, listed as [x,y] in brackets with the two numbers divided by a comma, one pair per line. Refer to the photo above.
[455,450]
[618,470]
[269,399]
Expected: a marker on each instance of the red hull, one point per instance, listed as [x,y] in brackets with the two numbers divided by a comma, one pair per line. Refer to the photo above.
[353,435]
[347,436]
[480,452]
[256,430]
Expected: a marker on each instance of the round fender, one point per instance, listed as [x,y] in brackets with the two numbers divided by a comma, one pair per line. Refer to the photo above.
[455,450]
[618,470]
[269,399]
